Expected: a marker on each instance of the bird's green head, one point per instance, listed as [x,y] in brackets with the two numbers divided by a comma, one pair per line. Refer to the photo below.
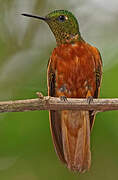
[63,24]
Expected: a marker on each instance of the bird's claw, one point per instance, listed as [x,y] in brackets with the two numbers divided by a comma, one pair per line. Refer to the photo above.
[89,99]
[63,98]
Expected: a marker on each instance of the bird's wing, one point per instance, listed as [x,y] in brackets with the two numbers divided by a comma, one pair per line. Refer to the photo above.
[55,116]
[98,73]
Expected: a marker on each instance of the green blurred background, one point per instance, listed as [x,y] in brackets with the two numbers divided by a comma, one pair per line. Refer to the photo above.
[26,149]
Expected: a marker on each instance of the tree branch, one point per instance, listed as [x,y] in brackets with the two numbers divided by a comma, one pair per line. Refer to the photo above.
[53,103]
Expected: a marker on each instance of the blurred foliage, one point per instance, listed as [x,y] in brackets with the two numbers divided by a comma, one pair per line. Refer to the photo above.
[26,149]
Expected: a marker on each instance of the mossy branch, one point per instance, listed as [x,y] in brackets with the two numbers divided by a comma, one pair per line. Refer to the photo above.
[53,103]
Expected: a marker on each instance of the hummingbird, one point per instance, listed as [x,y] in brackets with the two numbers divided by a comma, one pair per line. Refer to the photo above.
[74,71]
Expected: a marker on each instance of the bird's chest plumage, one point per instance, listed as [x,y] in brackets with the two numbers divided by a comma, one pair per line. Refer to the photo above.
[74,69]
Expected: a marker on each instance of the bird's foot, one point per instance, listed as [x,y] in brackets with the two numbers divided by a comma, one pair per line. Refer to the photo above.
[63,98]
[89,99]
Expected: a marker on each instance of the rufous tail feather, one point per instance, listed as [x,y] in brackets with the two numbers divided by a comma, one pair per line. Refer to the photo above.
[76,139]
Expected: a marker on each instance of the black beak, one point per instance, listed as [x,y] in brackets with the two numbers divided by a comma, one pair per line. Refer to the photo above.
[33,16]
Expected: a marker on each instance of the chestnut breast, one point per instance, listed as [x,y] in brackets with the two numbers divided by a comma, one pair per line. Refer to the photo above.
[74,68]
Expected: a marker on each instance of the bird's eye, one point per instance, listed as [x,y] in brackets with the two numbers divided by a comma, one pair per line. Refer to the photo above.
[62,18]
